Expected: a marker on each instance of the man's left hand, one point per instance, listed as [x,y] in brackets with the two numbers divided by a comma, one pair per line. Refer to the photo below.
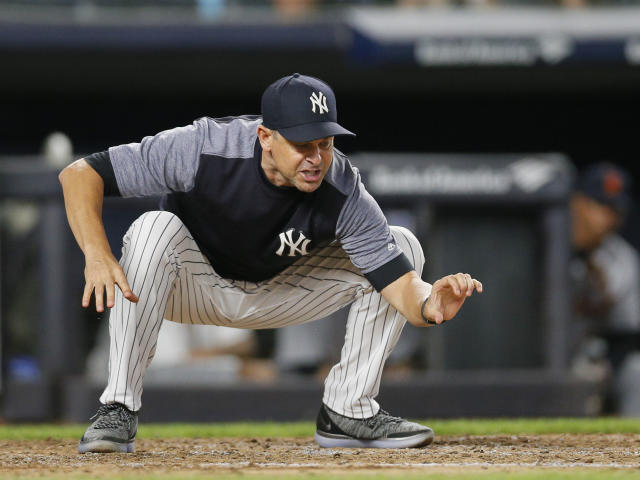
[448,295]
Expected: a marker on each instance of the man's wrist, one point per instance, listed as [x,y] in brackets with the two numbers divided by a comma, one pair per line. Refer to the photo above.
[424,304]
[94,251]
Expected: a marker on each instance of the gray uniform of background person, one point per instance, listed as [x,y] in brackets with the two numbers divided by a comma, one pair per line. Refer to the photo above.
[617,261]
[177,161]
[618,265]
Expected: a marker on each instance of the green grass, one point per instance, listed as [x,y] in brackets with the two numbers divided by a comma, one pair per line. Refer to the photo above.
[306,429]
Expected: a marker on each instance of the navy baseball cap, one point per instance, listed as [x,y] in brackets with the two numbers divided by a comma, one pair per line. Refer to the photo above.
[607,184]
[301,108]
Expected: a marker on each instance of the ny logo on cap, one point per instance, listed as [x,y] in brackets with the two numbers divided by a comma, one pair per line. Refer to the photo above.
[320,100]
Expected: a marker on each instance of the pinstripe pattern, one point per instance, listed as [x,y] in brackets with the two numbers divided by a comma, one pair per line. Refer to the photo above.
[373,329]
[174,281]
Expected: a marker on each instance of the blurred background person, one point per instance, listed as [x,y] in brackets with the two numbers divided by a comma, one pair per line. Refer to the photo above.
[605,273]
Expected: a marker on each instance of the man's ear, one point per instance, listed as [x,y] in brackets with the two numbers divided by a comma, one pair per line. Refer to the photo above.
[265,135]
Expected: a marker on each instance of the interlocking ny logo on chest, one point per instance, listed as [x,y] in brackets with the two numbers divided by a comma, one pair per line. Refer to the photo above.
[296,247]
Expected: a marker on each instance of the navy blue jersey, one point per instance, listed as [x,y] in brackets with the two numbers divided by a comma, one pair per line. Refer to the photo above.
[210,176]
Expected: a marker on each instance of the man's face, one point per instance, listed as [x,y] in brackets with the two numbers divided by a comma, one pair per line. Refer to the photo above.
[591,222]
[302,165]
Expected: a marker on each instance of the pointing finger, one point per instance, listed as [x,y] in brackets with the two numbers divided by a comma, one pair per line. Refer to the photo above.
[478,285]
[132,297]
[126,289]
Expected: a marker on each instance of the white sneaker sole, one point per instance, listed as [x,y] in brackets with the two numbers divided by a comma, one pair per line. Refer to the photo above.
[105,446]
[327,440]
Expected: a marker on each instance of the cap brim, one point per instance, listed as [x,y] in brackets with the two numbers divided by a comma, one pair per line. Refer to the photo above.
[620,203]
[313,131]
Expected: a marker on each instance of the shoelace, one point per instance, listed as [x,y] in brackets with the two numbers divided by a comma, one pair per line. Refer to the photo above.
[382,418]
[111,416]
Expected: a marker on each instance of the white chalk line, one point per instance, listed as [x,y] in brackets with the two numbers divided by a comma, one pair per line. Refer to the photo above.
[417,465]
[355,465]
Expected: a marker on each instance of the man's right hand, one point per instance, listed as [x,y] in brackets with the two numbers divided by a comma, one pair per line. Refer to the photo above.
[102,272]
[83,190]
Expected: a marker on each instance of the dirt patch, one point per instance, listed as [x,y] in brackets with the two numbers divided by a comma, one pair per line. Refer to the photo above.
[265,454]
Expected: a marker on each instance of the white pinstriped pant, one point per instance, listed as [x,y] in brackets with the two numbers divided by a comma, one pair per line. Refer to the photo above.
[172,278]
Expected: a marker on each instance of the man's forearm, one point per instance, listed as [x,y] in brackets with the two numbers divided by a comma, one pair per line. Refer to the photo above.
[83,192]
[407,295]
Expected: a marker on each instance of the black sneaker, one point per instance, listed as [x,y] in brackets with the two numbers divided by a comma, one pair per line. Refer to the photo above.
[380,431]
[113,430]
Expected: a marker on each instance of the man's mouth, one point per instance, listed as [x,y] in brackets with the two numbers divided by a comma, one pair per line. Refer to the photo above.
[311,175]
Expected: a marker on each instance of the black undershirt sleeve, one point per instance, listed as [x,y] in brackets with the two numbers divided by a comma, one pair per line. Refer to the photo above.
[389,272]
[101,163]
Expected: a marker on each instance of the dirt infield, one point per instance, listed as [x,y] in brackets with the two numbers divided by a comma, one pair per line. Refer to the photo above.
[271,455]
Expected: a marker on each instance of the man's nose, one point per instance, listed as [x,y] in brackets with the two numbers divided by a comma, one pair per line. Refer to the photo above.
[314,155]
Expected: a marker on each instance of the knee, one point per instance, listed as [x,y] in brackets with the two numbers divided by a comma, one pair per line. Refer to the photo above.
[150,225]
[410,245]
[145,223]
[153,217]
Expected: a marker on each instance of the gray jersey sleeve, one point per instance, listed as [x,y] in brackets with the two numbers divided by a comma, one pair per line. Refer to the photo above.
[160,164]
[363,231]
